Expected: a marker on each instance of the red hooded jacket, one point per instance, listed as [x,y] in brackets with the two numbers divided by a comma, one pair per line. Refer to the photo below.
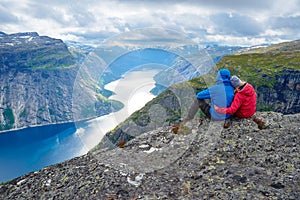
[244,103]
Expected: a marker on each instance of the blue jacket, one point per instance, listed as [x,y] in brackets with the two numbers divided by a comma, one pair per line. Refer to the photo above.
[220,94]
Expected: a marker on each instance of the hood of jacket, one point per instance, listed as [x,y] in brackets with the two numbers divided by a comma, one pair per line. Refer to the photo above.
[247,90]
[223,76]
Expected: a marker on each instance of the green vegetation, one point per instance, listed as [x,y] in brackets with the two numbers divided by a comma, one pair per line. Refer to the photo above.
[100,97]
[259,66]
[260,69]
[263,107]
[116,105]
[4,183]
[141,116]
[202,82]
[41,56]
[8,118]
[51,111]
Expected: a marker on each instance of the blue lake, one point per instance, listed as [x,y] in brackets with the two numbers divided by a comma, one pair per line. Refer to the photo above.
[30,149]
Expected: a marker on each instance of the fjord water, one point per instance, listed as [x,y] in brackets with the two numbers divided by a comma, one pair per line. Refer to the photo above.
[30,149]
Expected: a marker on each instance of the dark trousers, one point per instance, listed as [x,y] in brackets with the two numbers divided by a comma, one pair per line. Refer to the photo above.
[199,103]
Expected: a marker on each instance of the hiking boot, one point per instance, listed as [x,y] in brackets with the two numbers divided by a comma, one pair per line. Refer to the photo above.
[175,128]
[227,123]
[261,124]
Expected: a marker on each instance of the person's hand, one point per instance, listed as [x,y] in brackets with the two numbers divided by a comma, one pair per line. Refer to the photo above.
[220,110]
[216,107]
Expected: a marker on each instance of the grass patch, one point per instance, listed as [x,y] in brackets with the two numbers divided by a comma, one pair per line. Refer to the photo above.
[260,69]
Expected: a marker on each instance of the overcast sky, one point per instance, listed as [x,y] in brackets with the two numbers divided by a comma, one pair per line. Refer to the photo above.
[227,22]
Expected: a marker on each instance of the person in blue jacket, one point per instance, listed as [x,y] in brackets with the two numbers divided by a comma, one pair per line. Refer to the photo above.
[220,94]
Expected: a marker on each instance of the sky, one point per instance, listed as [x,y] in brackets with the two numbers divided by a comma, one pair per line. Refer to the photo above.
[224,22]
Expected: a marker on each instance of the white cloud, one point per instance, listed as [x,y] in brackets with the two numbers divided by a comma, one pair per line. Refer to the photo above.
[234,40]
[236,24]
[149,37]
[249,22]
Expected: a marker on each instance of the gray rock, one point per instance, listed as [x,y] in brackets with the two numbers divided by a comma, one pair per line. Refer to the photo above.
[240,162]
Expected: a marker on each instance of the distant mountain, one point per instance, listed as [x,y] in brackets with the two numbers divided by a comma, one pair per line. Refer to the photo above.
[178,64]
[192,61]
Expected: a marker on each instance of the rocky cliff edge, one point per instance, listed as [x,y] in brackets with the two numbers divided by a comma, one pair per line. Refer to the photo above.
[202,161]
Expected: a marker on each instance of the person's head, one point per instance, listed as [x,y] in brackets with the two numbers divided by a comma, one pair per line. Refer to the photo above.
[235,81]
[223,75]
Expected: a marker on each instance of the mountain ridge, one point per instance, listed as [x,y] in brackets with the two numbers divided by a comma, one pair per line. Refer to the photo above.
[30,51]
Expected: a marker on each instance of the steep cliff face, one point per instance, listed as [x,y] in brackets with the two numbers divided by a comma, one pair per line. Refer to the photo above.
[284,97]
[33,97]
[204,161]
[36,78]
[38,81]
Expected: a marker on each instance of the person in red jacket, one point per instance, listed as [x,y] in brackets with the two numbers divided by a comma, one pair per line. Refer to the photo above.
[244,102]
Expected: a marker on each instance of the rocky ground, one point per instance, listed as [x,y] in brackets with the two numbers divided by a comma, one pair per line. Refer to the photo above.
[201,161]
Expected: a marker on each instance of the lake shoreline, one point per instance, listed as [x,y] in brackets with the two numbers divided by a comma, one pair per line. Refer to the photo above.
[49,124]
